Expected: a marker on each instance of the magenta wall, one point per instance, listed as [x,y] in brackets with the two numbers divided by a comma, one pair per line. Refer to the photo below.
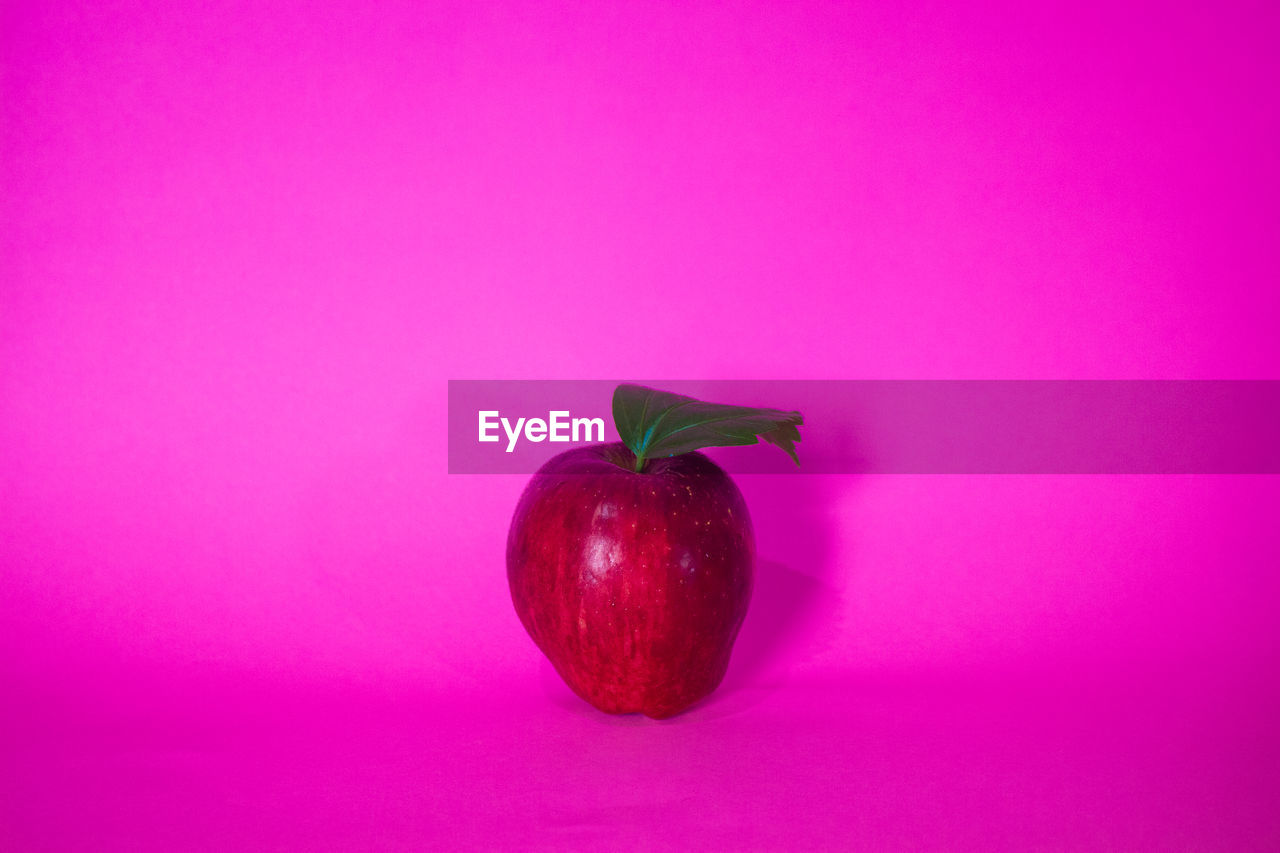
[244,606]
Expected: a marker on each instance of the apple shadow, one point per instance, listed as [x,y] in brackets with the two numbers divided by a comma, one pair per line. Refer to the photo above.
[794,599]
[792,605]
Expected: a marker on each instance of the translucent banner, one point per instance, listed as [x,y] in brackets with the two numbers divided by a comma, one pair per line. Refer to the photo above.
[906,426]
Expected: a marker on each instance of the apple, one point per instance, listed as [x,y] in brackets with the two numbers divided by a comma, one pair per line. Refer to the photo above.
[632,571]
[633,585]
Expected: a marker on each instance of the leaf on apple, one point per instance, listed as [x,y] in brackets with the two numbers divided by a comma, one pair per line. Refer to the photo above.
[657,423]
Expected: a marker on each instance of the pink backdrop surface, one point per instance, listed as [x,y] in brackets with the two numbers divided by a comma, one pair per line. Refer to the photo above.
[244,605]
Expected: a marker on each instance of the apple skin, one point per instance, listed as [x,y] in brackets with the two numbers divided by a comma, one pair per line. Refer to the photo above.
[634,585]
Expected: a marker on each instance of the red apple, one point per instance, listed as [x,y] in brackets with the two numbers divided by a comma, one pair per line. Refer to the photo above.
[634,585]
[631,564]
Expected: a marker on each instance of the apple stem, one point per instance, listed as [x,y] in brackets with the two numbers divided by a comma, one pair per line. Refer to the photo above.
[639,462]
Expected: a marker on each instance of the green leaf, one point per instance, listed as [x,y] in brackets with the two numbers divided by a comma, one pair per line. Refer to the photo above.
[657,423]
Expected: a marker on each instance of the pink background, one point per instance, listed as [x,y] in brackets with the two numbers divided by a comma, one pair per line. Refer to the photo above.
[244,606]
